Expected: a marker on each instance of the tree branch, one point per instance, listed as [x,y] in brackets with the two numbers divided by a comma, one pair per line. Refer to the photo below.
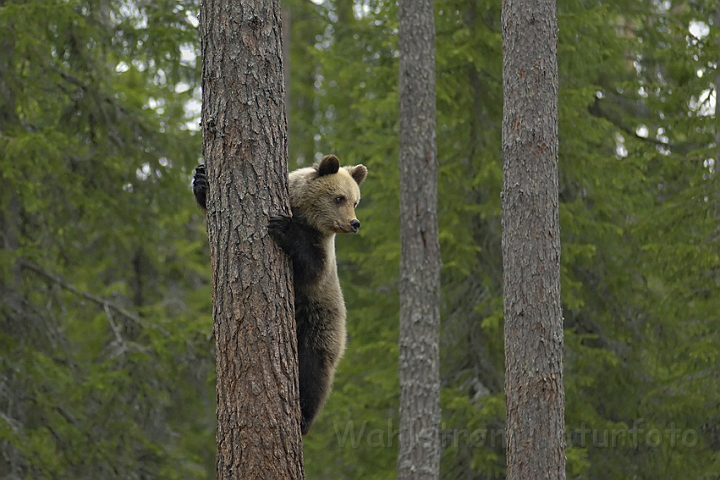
[105,304]
[596,110]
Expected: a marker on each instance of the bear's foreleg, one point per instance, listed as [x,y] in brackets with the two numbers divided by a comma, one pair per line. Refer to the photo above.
[303,244]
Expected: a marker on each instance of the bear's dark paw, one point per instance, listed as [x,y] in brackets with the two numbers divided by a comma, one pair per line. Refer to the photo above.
[200,186]
[304,426]
[279,228]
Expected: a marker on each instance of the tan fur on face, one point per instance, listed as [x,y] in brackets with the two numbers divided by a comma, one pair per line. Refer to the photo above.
[315,197]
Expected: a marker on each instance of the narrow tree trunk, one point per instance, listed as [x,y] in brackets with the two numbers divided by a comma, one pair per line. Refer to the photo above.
[419,455]
[534,393]
[245,150]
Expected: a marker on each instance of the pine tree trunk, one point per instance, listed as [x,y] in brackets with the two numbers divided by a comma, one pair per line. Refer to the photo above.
[245,150]
[419,451]
[534,393]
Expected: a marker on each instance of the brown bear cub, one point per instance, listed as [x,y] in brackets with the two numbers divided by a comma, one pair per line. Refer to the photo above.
[323,200]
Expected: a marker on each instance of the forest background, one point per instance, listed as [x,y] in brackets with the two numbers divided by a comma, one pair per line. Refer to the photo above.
[106,360]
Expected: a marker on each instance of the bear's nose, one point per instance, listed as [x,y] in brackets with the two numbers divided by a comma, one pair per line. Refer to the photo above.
[355,225]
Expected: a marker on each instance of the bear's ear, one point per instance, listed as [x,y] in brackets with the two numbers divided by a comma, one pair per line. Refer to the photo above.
[358,173]
[328,165]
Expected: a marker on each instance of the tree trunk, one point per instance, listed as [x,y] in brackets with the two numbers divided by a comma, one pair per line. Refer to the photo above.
[419,453]
[534,394]
[245,150]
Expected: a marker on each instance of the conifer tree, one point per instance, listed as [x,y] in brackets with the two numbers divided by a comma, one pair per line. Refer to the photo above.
[534,391]
[419,441]
[245,150]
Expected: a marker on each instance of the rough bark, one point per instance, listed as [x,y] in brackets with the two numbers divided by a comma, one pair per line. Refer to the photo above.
[531,243]
[245,150]
[286,61]
[419,452]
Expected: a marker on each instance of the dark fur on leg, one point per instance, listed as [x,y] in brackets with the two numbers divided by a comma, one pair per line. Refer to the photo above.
[302,243]
[315,379]
[200,186]
[316,358]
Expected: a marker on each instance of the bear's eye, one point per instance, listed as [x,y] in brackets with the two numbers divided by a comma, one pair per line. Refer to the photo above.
[340,200]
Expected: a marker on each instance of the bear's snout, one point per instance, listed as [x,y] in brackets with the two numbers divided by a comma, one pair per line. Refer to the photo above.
[355,225]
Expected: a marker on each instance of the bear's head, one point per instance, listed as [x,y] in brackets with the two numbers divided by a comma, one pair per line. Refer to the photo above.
[325,195]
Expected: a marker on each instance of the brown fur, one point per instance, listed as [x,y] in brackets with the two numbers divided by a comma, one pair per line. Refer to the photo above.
[323,200]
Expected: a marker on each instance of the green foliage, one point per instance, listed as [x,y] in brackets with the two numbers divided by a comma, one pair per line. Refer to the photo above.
[104,333]
[105,330]
[638,211]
